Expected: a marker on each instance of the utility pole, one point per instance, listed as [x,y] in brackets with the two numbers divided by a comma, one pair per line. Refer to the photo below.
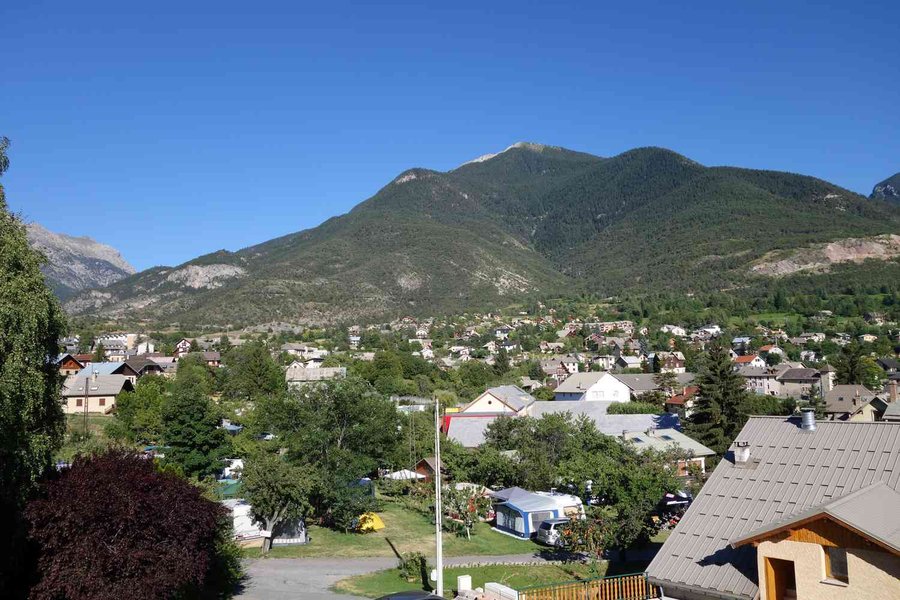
[438,510]
[87,382]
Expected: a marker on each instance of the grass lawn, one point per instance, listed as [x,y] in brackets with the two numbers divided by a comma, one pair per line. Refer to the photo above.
[373,585]
[75,443]
[405,531]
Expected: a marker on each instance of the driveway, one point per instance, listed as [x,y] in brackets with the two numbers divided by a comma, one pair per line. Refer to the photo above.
[291,578]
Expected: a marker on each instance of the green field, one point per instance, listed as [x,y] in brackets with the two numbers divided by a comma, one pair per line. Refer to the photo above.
[405,531]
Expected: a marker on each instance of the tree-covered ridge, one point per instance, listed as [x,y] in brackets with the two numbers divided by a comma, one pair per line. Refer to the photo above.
[531,221]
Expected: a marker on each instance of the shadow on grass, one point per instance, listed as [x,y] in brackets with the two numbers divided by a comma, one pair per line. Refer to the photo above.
[393,548]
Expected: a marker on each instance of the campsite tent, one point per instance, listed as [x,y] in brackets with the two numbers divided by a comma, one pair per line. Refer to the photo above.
[520,512]
[370,522]
[403,475]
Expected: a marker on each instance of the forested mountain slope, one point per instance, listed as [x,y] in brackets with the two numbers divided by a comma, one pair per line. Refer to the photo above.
[531,220]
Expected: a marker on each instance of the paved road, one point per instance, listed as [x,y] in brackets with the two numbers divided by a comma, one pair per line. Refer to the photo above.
[310,578]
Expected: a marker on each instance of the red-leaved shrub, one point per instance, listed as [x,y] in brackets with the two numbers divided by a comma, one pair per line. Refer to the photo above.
[114,527]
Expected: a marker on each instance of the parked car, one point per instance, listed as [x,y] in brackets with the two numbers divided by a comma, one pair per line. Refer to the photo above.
[549,532]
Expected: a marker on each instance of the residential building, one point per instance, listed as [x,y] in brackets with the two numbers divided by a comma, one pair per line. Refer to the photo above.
[682,403]
[629,362]
[68,364]
[99,392]
[144,366]
[793,511]
[662,440]
[853,403]
[182,347]
[304,351]
[642,383]
[670,362]
[749,360]
[110,368]
[469,429]
[741,344]
[503,399]
[675,330]
[584,386]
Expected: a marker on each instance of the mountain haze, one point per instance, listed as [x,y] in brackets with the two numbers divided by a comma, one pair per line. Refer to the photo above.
[76,263]
[528,221]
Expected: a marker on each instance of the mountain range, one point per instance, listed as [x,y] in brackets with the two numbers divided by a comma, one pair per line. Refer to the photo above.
[532,220]
[76,263]
[889,189]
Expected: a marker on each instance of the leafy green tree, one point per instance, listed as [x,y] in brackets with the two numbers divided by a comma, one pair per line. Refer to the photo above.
[466,506]
[99,354]
[31,419]
[718,415]
[338,424]
[589,536]
[252,373]
[501,363]
[667,383]
[138,416]
[855,366]
[191,425]
[817,401]
[277,491]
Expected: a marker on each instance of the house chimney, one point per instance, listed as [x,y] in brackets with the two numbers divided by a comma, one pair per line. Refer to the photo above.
[892,391]
[94,375]
[651,432]
[808,419]
[741,453]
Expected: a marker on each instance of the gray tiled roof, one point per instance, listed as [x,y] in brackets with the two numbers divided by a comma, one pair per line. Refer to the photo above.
[800,375]
[840,398]
[793,470]
[102,385]
[579,382]
[666,439]
[644,382]
[868,511]
[513,396]
[606,423]
[469,431]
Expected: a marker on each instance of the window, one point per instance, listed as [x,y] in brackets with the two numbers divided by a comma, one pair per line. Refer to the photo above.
[836,564]
[102,401]
[78,402]
[668,438]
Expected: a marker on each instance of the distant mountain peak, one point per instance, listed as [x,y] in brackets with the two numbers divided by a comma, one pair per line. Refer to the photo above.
[525,145]
[889,189]
[77,263]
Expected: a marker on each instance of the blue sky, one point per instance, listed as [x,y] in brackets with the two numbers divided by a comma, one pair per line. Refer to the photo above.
[173,129]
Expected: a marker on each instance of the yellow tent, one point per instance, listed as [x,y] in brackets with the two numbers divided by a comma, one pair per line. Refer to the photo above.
[370,522]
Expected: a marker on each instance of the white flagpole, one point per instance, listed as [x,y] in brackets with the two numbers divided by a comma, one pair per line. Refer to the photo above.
[438,510]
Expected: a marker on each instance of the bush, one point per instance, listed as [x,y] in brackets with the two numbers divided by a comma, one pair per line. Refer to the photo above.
[633,408]
[413,566]
[115,527]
